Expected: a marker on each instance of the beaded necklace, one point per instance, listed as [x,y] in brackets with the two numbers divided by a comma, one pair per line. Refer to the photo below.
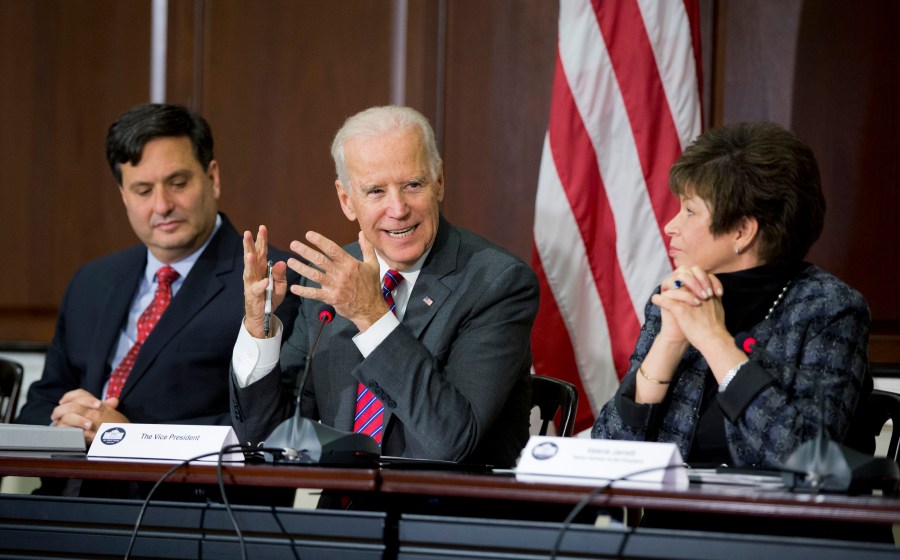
[778,300]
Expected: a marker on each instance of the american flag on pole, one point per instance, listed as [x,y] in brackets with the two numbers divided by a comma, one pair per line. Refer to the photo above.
[625,103]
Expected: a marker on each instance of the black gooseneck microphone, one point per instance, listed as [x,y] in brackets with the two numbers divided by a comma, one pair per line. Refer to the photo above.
[307,442]
[326,315]
[822,464]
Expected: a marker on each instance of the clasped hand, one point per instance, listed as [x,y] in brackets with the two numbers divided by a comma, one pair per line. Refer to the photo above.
[690,301]
[80,409]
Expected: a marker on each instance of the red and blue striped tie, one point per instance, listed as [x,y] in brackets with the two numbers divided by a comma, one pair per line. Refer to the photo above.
[369,410]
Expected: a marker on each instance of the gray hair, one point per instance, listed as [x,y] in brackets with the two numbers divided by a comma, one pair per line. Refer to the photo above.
[377,121]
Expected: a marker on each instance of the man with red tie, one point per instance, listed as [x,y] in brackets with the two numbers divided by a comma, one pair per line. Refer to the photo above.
[429,352]
[145,334]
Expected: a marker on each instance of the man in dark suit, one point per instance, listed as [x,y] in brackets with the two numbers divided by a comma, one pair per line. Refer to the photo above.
[97,369]
[445,353]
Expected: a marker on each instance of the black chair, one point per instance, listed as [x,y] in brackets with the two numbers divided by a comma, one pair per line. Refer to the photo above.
[884,369]
[10,387]
[881,407]
[872,414]
[553,395]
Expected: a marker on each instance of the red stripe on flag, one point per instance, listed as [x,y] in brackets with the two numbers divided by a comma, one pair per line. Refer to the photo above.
[552,348]
[656,138]
[648,109]
[576,165]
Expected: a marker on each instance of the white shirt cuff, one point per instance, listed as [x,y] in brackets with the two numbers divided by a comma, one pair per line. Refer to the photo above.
[254,358]
[368,341]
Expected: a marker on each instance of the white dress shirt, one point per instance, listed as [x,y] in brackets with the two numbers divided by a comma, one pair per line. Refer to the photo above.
[145,293]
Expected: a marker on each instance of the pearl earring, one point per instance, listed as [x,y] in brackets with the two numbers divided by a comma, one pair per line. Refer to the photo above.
[737,250]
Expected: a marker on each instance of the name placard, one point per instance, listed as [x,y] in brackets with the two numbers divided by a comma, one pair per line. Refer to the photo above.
[162,442]
[596,462]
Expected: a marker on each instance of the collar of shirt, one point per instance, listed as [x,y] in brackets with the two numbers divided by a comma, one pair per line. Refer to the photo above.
[405,288]
[183,266]
[144,296]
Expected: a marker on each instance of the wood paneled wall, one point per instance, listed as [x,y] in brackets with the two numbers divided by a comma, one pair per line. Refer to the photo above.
[67,69]
[276,78]
[830,71]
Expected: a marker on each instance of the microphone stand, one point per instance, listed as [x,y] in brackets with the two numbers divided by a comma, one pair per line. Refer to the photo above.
[304,441]
[822,464]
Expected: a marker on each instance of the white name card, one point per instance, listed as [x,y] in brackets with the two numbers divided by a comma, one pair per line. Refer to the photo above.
[596,462]
[162,442]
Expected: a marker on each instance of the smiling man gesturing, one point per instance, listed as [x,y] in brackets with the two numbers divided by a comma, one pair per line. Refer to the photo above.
[429,353]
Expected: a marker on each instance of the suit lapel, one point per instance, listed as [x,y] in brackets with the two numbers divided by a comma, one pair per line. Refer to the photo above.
[429,286]
[344,355]
[115,305]
[203,283]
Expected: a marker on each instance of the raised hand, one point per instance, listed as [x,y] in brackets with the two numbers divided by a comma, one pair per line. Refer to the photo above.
[256,281]
[350,285]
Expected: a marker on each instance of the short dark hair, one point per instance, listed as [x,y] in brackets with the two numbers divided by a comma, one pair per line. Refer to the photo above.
[758,170]
[127,136]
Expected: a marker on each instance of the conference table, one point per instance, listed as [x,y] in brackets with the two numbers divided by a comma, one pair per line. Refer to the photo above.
[421,513]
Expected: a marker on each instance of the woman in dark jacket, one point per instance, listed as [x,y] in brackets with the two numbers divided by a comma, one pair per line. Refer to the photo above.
[751,207]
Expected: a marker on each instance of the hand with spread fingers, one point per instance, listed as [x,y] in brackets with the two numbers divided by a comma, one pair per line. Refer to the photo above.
[350,285]
[256,281]
[80,409]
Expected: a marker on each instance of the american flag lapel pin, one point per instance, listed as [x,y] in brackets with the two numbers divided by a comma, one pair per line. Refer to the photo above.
[427,300]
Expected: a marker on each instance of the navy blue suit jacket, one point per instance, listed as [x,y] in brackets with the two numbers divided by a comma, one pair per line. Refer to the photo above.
[181,375]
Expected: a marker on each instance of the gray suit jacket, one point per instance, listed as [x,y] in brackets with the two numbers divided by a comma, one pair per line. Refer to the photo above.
[454,376]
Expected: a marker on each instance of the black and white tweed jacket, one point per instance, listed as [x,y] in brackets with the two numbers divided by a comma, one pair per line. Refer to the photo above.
[815,341]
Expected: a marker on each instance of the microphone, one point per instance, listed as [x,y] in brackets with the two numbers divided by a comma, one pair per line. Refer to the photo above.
[326,315]
[306,442]
[745,342]
[822,464]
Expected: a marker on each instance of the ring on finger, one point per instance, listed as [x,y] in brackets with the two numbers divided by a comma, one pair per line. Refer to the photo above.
[677,284]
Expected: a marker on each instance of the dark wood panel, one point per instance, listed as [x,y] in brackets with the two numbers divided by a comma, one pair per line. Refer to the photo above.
[850,52]
[722,499]
[246,474]
[67,67]
[829,71]
[500,60]
[279,78]
[425,61]
[184,52]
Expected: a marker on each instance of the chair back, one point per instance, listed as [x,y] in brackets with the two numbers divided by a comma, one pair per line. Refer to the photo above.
[10,386]
[882,406]
[553,395]
[884,369]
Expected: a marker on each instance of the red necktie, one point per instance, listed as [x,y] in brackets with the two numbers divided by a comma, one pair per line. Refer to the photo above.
[369,410]
[148,319]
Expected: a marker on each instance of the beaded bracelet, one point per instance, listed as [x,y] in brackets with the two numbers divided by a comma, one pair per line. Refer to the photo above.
[650,379]
[732,373]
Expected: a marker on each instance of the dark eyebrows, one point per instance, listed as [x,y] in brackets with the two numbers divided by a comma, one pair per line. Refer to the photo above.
[180,174]
[185,174]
